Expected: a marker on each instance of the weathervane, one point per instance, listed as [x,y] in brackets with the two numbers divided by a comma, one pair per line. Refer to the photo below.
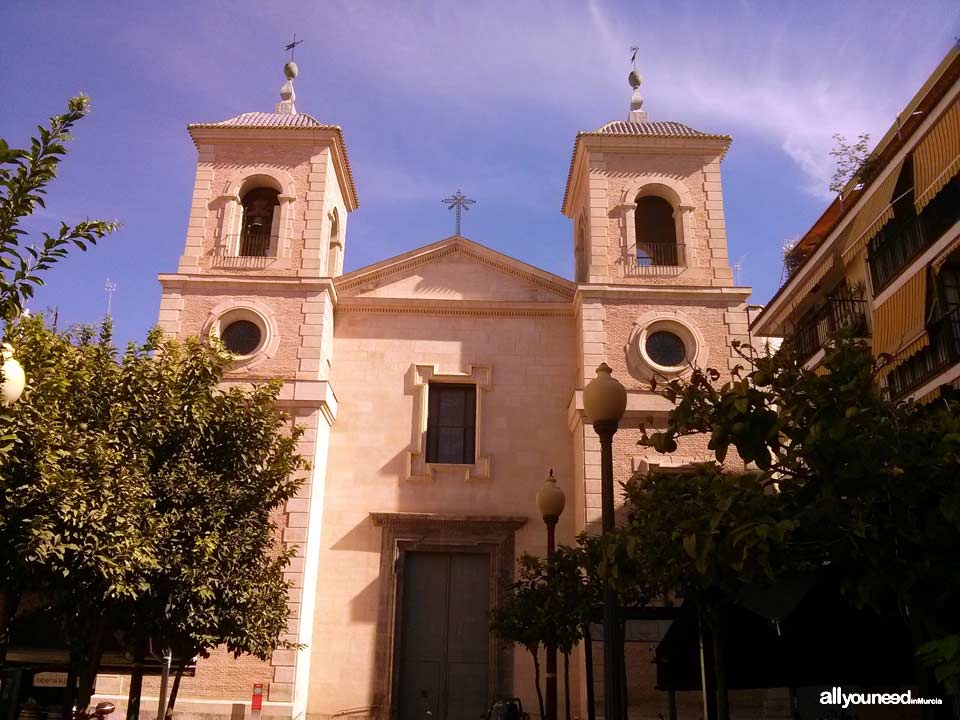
[460,202]
[110,288]
[633,55]
[292,46]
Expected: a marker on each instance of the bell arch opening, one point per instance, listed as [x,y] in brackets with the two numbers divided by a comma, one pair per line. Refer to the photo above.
[657,237]
[260,217]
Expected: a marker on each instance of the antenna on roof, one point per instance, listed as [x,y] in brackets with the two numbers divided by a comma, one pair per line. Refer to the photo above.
[738,269]
[110,288]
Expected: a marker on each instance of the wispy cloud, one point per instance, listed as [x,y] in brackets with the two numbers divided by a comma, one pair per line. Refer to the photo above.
[792,73]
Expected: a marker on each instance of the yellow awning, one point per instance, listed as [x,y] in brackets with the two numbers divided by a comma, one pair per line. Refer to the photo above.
[899,324]
[940,259]
[874,214]
[929,397]
[936,158]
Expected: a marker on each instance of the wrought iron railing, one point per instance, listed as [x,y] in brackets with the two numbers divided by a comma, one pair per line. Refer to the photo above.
[901,240]
[942,353]
[254,244]
[656,255]
[844,311]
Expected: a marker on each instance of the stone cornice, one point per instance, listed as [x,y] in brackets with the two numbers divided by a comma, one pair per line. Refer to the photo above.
[642,406]
[586,142]
[414,519]
[474,308]
[296,393]
[181,280]
[327,135]
[660,293]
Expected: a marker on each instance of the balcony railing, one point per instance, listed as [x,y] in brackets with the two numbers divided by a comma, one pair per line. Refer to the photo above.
[656,255]
[942,353]
[254,244]
[846,311]
[901,240]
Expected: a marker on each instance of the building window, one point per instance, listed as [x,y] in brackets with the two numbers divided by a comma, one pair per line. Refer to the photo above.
[333,255]
[243,331]
[656,231]
[580,251]
[259,208]
[241,337]
[666,348]
[451,423]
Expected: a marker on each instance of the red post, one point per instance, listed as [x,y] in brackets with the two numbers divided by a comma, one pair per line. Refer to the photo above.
[256,702]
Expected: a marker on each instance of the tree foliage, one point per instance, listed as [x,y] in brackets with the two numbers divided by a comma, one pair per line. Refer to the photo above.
[845,478]
[24,176]
[138,497]
[852,161]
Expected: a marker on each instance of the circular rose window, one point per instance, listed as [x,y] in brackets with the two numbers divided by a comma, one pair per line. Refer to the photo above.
[242,337]
[665,348]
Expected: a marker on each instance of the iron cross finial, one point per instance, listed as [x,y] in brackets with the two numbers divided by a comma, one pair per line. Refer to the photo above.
[460,202]
[633,55]
[292,46]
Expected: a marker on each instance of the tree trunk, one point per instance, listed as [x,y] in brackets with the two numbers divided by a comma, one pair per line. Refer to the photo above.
[566,686]
[536,675]
[176,688]
[70,693]
[136,678]
[588,660]
[8,608]
[625,695]
[89,663]
[718,632]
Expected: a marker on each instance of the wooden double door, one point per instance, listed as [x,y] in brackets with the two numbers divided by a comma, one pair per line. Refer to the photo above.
[444,654]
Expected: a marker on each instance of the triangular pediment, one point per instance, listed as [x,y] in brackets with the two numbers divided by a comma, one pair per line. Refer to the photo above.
[455,269]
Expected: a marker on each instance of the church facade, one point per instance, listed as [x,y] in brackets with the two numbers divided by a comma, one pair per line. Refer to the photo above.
[437,389]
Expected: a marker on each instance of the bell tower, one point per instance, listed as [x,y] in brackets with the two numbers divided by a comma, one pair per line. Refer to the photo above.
[264,242]
[655,292]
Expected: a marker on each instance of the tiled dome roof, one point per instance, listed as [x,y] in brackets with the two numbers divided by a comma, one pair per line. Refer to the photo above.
[653,129]
[267,120]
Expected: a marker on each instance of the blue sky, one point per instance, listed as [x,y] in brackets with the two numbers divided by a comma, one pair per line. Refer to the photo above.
[483,96]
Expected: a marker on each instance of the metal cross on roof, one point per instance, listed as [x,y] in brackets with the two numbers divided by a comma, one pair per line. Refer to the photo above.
[292,46]
[460,202]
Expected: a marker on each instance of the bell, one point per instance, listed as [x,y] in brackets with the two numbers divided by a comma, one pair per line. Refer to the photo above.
[256,223]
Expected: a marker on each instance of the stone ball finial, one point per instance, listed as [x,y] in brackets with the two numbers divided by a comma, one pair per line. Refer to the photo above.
[290,70]
[635,79]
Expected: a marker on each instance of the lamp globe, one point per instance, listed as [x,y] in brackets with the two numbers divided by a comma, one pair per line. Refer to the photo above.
[550,498]
[604,398]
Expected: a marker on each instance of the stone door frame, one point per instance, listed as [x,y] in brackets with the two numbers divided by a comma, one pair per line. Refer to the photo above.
[490,535]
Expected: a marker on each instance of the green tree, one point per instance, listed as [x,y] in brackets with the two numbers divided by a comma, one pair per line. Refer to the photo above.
[76,517]
[852,161]
[553,603]
[224,464]
[24,177]
[845,477]
[138,497]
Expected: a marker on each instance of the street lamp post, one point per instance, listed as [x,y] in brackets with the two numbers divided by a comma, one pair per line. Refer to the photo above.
[14,379]
[551,501]
[605,401]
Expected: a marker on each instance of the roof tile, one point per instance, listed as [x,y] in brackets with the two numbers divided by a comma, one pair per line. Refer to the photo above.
[267,120]
[652,129]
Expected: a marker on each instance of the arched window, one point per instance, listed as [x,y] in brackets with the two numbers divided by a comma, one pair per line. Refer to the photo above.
[333,256]
[656,232]
[581,252]
[259,209]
